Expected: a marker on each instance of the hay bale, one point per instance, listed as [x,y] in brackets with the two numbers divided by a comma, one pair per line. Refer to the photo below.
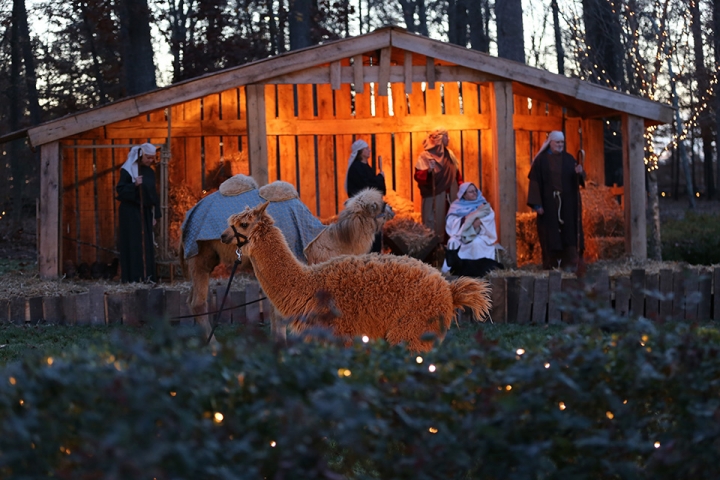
[402,207]
[602,214]
[415,236]
[613,248]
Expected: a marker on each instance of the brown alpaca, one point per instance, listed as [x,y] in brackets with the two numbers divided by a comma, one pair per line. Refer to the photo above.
[353,233]
[382,296]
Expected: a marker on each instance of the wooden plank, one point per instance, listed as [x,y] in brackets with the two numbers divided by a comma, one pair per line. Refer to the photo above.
[211,143]
[82,308]
[416,99]
[637,289]
[513,298]
[678,291]
[430,72]
[525,300]
[366,123]
[451,98]
[69,226]
[601,287]
[35,310]
[471,157]
[18,307]
[335,69]
[498,312]
[705,301]
[96,305]
[416,139]
[193,151]
[505,161]
[622,296]
[69,310]
[86,203]
[408,72]
[52,310]
[522,165]
[666,288]
[716,293]
[327,197]
[105,219]
[272,140]
[384,73]
[404,165]
[532,123]
[383,143]
[237,298]
[358,79]
[307,168]
[569,286]
[691,294]
[257,141]
[49,230]
[287,147]
[554,297]
[434,107]
[633,131]
[652,304]
[540,300]
[252,311]
[363,101]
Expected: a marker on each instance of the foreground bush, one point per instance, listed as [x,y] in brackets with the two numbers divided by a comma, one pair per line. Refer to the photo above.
[642,402]
[694,239]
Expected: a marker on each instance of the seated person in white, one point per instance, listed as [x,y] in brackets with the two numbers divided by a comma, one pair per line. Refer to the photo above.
[470,224]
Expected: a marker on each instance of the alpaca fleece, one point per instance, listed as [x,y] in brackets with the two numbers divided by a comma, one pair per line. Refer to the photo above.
[382,296]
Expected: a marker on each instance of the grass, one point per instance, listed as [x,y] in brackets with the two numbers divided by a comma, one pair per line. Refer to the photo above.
[54,340]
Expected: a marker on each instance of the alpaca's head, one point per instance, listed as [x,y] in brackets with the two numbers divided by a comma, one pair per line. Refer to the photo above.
[368,203]
[243,226]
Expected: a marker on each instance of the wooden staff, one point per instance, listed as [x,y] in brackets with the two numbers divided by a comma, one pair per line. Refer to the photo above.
[142,229]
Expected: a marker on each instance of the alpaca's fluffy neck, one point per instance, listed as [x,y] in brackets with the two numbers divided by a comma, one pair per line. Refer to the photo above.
[352,239]
[283,278]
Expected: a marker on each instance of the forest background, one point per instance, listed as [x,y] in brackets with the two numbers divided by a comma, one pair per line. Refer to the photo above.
[58,58]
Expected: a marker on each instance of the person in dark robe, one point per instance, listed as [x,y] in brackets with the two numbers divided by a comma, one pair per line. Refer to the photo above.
[437,173]
[360,175]
[139,211]
[554,193]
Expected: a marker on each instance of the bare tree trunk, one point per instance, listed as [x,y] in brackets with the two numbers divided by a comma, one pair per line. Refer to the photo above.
[510,37]
[716,41]
[408,12]
[96,61]
[602,35]
[478,34]
[457,16]
[655,250]
[682,151]
[560,52]
[138,62]
[422,28]
[300,19]
[702,77]
[16,111]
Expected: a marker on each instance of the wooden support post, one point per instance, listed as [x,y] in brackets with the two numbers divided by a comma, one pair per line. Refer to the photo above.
[622,296]
[430,72]
[49,244]
[666,287]
[407,72]
[554,299]
[498,314]
[540,300]
[384,74]
[637,297]
[257,133]
[633,137]
[335,75]
[358,79]
[504,163]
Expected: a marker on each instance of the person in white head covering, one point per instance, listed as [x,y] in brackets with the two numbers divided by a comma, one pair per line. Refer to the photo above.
[470,224]
[554,193]
[437,173]
[360,175]
[138,212]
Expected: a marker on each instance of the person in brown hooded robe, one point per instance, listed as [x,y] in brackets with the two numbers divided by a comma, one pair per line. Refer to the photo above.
[437,173]
[554,193]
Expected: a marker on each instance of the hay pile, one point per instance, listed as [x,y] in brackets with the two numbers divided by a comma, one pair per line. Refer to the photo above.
[603,224]
[402,207]
[405,231]
[181,199]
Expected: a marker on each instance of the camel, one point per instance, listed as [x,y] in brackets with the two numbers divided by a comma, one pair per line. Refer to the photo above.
[396,298]
[201,249]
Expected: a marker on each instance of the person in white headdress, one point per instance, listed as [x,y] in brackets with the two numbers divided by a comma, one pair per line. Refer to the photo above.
[360,175]
[470,224]
[138,213]
[554,193]
[437,173]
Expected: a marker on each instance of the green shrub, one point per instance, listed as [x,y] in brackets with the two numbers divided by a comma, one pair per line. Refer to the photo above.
[591,403]
[694,239]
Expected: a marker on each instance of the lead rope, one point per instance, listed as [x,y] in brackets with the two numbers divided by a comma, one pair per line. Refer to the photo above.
[557,195]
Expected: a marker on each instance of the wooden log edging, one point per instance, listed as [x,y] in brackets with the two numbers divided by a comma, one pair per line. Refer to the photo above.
[688,295]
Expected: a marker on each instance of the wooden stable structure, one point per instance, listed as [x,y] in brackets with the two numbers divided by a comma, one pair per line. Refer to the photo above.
[295,116]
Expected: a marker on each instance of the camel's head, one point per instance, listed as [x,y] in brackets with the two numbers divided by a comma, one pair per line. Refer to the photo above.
[242,226]
[368,203]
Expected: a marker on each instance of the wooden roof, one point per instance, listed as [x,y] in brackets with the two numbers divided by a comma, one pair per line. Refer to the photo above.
[584,97]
